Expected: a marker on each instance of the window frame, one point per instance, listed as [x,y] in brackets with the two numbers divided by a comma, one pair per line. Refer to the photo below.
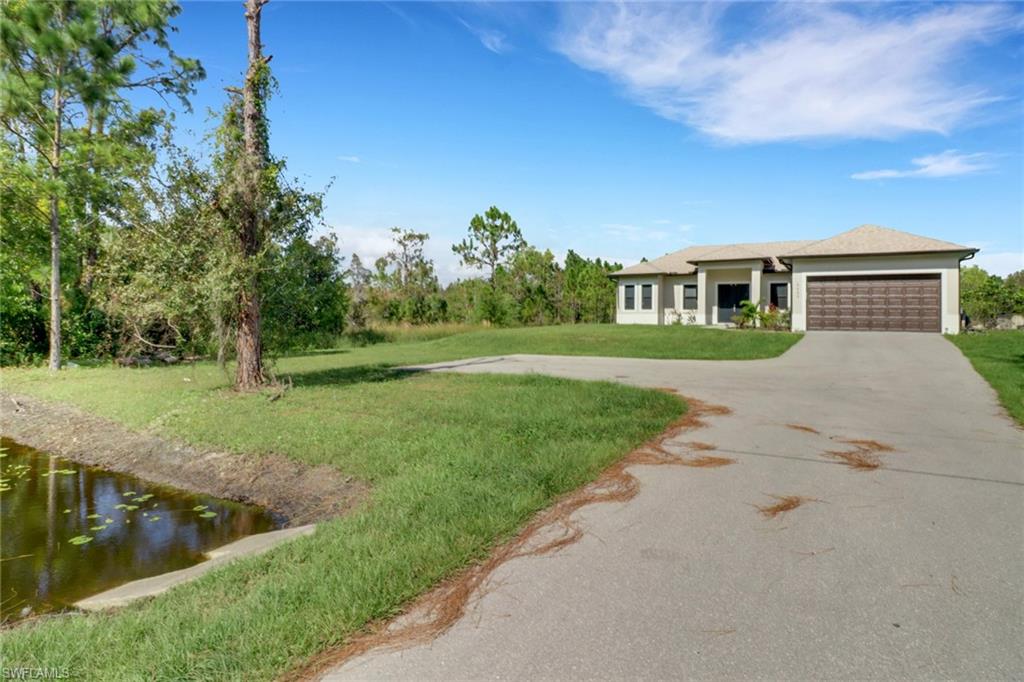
[773,294]
[629,297]
[687,287]
[646,297]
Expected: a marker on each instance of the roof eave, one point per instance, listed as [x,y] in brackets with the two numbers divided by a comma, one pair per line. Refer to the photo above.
[877,253]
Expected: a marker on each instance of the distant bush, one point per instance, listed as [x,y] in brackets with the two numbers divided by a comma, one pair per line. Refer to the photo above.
[985,297]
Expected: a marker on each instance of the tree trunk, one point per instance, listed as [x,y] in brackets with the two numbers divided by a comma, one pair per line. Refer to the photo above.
[249,347]
[55,298]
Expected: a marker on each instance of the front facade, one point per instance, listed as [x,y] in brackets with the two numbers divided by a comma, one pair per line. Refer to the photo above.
[867,279]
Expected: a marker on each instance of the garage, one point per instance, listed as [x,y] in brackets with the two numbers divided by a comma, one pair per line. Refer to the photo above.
[910,303]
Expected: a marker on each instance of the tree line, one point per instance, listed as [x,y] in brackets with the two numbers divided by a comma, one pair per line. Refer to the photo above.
[522,285]
[118,242]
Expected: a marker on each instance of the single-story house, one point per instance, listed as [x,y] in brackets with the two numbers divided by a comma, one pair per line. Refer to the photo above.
[869,278]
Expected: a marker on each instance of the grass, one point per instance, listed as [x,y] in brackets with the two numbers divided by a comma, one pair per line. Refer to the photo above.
[627,341]
[456,464]
[998,356]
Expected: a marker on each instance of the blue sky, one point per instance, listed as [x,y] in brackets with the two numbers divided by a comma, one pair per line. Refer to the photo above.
[624,131]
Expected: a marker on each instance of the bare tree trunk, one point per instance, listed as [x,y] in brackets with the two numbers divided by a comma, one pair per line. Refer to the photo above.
[55,297]
[249,346]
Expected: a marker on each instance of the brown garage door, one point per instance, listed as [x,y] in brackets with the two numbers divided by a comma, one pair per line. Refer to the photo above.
[896,303]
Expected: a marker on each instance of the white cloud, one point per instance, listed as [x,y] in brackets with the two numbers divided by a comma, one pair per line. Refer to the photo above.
[803,70]
[1000,263]
[350,159]
[495,41]
[947,164]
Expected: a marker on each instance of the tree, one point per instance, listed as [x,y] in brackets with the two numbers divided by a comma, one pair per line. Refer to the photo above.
[494,239]
[359,279]
[406,286]
[985,297]
[306,300]
[63,59]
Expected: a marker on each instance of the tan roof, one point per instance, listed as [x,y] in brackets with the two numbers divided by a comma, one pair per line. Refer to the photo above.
[754,251]
[684,262]
[873,239]
[863,240]
[675,263]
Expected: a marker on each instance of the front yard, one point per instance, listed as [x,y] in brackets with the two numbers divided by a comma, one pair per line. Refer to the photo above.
[999,357]
[455,464]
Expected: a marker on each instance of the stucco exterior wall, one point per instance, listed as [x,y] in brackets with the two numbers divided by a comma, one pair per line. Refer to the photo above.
[638,316]
[731,274]
[946,265]
[770,277]
[672,301]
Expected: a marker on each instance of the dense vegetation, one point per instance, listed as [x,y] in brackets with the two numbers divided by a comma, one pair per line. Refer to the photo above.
[984,297]
[116,242]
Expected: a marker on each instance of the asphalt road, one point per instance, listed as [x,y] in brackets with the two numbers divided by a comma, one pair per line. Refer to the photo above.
[911,571]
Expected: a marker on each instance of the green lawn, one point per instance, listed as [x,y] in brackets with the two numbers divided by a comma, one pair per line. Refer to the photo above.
[456,464]
[999,357]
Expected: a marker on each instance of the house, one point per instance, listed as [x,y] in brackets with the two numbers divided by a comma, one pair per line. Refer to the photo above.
[869,278]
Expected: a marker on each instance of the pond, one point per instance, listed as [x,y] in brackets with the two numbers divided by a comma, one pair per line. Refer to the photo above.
[68,531]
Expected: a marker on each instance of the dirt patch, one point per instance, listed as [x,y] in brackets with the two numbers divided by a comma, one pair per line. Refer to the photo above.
[552,529]
[785,503]
[297,493]
[802,427]
[863,457]
[698,445]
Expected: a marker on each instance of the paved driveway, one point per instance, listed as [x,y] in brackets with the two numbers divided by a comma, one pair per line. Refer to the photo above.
[915,570]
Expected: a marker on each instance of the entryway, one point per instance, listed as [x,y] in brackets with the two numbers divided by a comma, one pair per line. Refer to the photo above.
[729,297]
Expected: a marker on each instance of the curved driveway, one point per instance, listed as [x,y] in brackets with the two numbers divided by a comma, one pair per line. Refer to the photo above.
[914,570]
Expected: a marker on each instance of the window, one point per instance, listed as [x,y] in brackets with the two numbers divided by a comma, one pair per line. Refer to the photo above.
[646,296]
[689,297]
[629,297]
[779,295]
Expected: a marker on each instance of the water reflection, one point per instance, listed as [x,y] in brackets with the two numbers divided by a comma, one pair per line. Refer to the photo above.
[68,531]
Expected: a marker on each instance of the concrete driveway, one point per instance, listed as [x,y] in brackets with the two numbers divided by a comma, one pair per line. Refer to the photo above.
[914,570]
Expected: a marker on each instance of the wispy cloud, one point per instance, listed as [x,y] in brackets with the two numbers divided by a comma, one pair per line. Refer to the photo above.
[800,71]
[493,40]
[350,159]
[947,164]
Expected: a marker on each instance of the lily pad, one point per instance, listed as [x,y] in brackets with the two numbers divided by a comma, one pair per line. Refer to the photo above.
[207,515]
[200,507]
[80,539]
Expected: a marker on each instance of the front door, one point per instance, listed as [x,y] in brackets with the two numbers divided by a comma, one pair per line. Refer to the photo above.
[729,297]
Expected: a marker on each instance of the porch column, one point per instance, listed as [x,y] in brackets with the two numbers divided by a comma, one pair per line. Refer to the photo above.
[702,296]
[755,285]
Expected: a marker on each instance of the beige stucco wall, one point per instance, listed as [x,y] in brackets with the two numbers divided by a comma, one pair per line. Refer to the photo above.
[767,279]
[638,316]
[946,265]
[672,301]
[726,274]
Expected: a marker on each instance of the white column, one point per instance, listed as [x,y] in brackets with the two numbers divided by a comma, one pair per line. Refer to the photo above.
[755,284]
[702,296]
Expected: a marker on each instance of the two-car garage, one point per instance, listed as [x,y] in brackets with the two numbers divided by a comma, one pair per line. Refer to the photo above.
[875,303]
